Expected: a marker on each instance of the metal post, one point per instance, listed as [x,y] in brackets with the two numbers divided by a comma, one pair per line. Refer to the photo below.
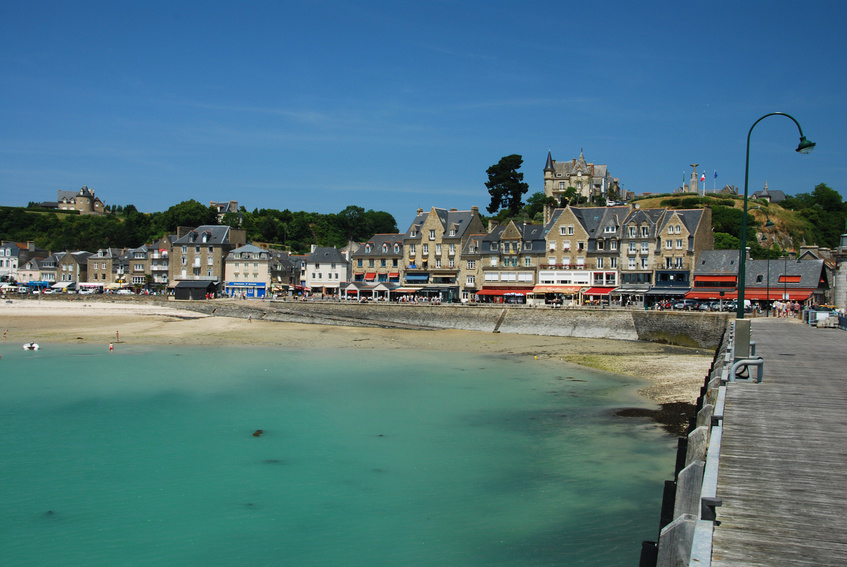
[805,146]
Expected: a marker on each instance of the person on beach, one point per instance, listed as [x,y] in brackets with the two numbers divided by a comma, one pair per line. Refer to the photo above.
[111,347]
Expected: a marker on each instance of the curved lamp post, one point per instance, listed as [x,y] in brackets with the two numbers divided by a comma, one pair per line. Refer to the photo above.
[804,147]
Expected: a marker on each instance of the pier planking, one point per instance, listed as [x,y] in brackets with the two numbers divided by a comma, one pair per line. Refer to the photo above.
[783,467]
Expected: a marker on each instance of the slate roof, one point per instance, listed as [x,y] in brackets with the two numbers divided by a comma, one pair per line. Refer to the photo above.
[326,254]
[376,242]
[458,220]
[812,274]
[717,262]
[217,234]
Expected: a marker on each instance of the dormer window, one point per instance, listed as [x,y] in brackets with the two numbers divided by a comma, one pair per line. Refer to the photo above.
[384,248]
[432,234]
[396,248]
[367,248]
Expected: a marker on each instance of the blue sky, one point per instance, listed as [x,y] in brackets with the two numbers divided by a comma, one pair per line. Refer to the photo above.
[399,105]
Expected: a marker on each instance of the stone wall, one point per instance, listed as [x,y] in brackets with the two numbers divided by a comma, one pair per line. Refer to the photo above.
[702,330]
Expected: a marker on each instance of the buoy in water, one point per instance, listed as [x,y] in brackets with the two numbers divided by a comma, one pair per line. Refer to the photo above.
[31,346]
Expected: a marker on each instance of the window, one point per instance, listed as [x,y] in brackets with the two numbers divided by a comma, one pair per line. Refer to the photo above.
[527,261]
[452,232]
[601,244]
[570,229]
[527,245]
[668,244]
[566,245]
[384,247]
[645,232]
[438,262]
[425,249]
[678,229]
[599,263]
[411,249]
[580,246]
[358,263]
[493,262]
[438,250]
[370,262]
[631,263]
[367,248]
[394,262]
[551,260]
[494,246]
[471,264]
[678,262]
[632,247]
[645,247]
[609,229]
[564,230]
[643,263]
[613,263]
[432,235]
[632,232]
[382,262]
[413,233]
[185,249]
[613,245]
[396,248]
[452,249]
[679,244]
[451,263]
[561,185]
[471,280]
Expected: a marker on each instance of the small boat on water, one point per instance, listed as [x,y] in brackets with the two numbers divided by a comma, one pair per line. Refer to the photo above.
[31,346]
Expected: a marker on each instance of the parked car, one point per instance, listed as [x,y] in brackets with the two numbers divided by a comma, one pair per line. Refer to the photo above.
[687,304]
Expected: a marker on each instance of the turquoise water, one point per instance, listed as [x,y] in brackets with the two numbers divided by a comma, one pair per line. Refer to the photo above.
[146,456]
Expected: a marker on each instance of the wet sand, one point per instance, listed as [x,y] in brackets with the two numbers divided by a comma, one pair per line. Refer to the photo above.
[674,375]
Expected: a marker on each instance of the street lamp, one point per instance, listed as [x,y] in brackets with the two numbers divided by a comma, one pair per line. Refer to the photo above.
[804,147]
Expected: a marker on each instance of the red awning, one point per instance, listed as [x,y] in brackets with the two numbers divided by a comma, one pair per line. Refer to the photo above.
[775,294]
[394,275]
[370,276]
[715,278]
[352,291]
[598,291]
[566,289]
[504,291]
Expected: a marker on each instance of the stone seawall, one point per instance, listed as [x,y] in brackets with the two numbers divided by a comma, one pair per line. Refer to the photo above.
[689,329]
[701,330]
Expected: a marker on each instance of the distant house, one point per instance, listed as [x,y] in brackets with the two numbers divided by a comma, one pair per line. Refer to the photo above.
[326,270]
[591,180]
[225,207]
[16,254]
[774,196]
[83,201]
[199,254]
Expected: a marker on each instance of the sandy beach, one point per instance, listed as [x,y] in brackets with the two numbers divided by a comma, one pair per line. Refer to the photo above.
[674,374]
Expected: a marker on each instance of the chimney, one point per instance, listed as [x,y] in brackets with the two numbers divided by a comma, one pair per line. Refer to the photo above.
[314,247]
[420,212]
[475,210]
[492,224]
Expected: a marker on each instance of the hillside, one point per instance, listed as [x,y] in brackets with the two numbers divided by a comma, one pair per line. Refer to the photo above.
[789,231]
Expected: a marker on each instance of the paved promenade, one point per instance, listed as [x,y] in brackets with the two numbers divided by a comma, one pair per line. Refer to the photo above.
[783,464]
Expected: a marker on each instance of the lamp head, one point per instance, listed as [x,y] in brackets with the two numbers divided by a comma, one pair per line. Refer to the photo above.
[769,224]
[805,146]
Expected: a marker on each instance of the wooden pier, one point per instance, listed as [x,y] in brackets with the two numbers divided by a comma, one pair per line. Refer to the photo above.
[783,459]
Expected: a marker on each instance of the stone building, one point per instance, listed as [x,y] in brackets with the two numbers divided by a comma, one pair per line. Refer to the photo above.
[14,255]
[589,179]
[83,201]
[199,254]
[432,251]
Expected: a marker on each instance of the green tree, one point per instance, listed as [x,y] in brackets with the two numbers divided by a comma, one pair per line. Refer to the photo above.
[187,213]
[506,185]
[534,208]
